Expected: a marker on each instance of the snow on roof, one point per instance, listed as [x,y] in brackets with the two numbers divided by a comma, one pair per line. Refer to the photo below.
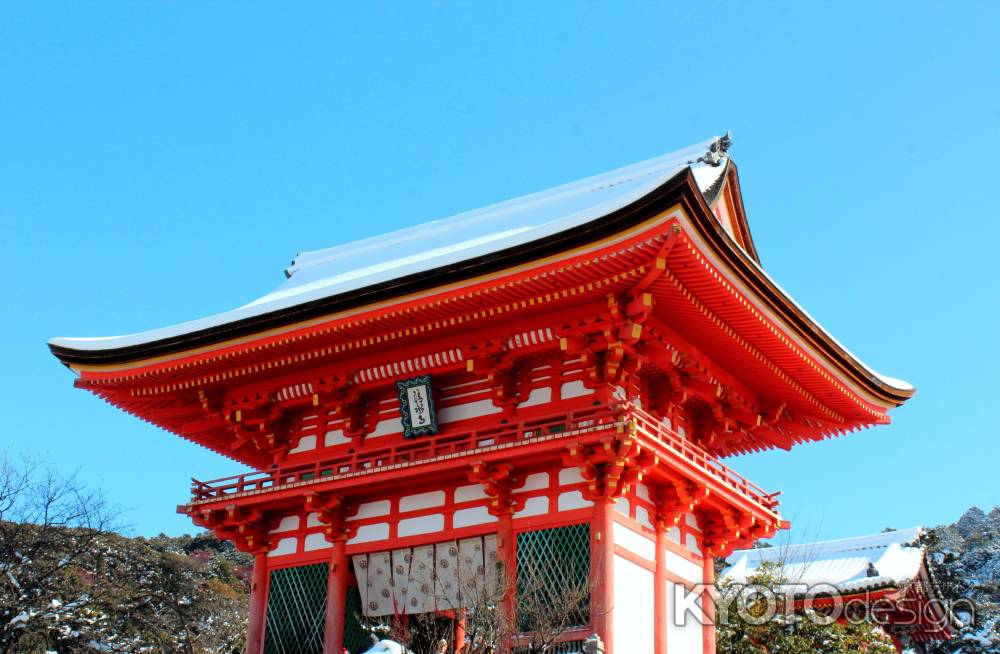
[888,559]
[353,266]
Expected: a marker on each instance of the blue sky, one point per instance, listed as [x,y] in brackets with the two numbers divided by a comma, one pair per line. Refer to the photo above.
[163,161]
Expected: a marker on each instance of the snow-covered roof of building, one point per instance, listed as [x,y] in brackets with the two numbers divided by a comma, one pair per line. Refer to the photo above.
[412,250]
[889,559]
[415,259]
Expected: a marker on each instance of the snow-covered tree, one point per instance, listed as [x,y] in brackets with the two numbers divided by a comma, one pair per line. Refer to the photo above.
[50,525]
[756,624]
[965,559]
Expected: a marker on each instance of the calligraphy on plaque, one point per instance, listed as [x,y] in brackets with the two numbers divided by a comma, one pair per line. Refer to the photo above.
[416,405]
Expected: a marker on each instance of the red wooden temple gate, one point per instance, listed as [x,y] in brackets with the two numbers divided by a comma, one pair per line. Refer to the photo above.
[555,376]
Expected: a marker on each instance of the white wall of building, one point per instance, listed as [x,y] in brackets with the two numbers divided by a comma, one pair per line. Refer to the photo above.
[632,616]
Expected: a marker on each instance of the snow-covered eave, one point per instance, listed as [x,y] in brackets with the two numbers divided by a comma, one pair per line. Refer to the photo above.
[320,298]
[894,390]
[284,312]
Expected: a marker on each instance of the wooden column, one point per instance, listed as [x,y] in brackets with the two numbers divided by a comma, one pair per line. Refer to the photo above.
[672,501]
[332,511]
[258,605]
[499,481]
[610,469]
[660,616]
[249,531]
[708,602]
[602,571]
[459,631]
[336,599]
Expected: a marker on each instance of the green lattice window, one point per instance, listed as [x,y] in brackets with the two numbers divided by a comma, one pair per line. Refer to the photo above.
[553,576]
[356,635]
[296,606]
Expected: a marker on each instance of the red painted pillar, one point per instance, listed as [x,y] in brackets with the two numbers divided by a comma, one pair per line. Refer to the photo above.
[336,599]
[708,604]
[660,592]
[258,606]
[602,571]
[507,555]
[459,631]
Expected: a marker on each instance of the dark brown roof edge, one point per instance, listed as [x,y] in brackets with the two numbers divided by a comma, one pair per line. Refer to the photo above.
[660,198]
[682,188]
[746,265]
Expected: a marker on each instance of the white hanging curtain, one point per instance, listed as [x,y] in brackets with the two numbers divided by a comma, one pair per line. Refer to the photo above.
[426,578]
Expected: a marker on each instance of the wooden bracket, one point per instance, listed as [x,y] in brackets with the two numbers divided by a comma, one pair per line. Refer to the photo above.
[499,481]
[248,529]
[332,510]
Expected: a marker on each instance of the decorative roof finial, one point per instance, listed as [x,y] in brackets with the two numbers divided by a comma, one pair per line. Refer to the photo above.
[718,151]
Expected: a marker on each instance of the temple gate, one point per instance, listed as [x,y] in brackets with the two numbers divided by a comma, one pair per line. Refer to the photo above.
[545,384]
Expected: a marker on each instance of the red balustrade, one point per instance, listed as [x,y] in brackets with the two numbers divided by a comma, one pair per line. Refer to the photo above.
[670,446]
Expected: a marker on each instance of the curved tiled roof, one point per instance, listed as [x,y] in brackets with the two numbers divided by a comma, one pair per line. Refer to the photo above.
[889,559]
[347,268]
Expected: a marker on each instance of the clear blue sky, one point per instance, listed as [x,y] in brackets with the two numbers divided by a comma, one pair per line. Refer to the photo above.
[163,161]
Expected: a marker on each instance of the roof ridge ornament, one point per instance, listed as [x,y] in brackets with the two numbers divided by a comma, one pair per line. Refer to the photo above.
[718,150]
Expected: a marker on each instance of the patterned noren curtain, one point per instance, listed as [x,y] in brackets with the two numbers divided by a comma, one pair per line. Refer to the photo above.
[426,578]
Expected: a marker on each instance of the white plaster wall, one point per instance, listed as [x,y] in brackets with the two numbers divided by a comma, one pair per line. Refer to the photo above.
[538,396]
[633,609]
[428,500]
[470,493]
[466,411]
[569,476]
[288,523]
[683,568]
[642,517]
[372,509]
[476,515]
[335,437]
[635,543]
[425,524]
[306,443]
[285,546]
[368,533]
[386,428]
[573,389]
[534,506]
[536,481]
[684,632]
[315,542]
[573,500]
